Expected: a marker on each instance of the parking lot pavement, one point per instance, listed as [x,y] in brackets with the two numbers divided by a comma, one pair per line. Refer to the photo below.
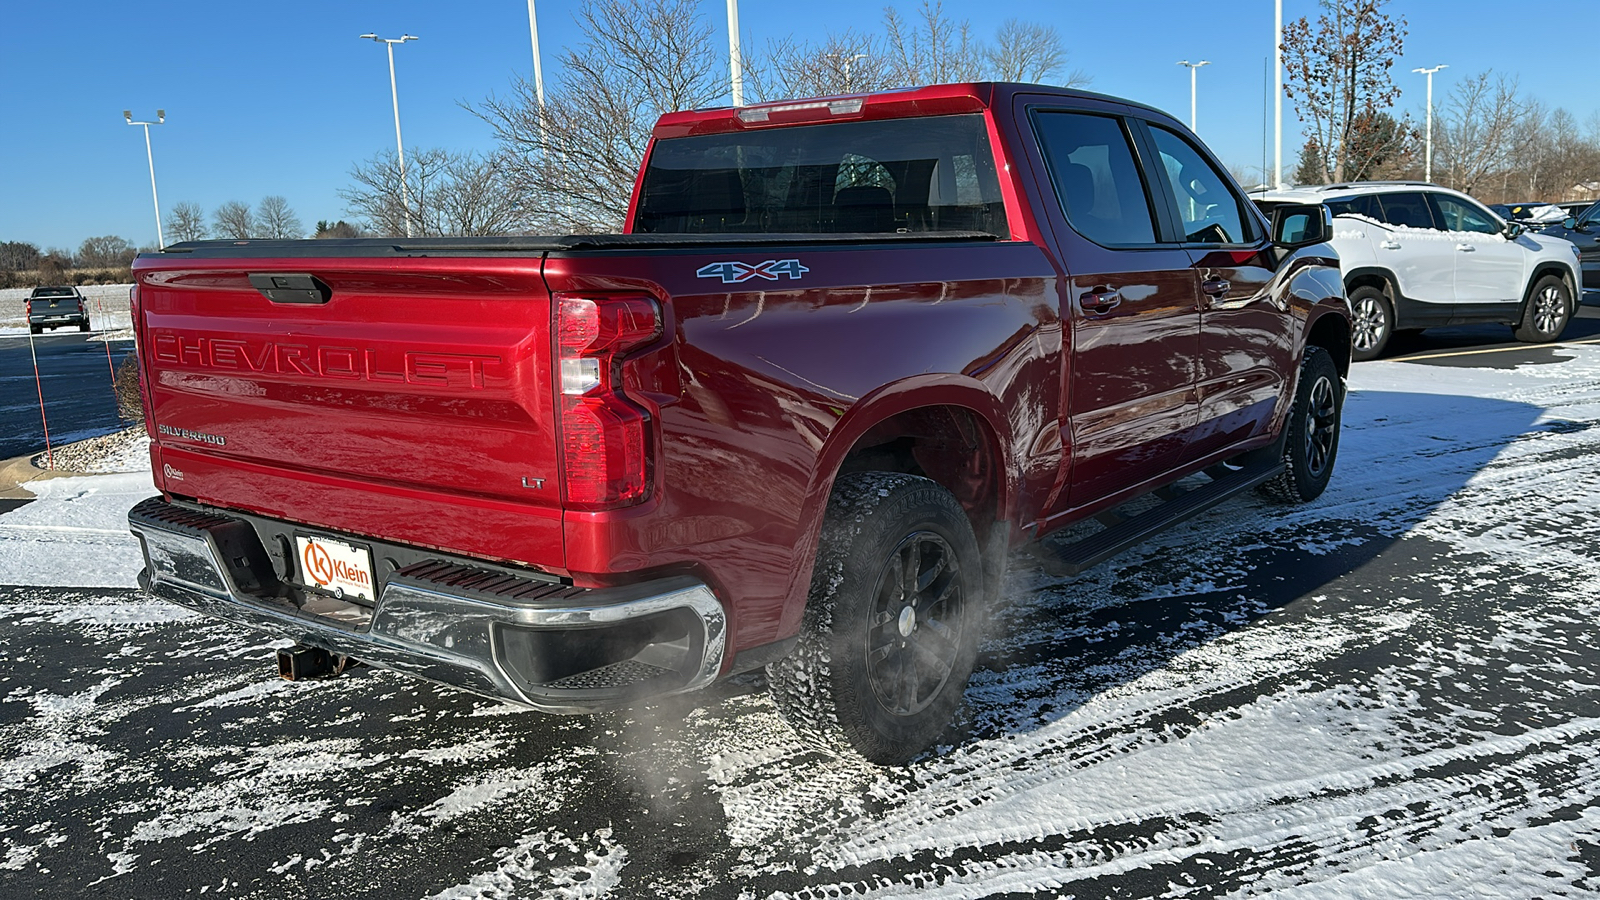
[1388,692]
[76,382]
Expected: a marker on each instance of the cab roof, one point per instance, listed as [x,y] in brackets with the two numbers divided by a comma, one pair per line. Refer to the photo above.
[934,100]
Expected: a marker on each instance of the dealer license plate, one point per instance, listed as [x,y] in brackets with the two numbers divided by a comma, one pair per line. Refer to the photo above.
[335,566]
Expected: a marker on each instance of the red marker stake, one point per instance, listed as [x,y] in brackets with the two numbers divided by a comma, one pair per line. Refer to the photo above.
[49,455]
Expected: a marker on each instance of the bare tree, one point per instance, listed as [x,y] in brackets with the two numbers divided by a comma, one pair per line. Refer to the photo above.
[105,252]
[233,221]
[846,62]
[274,219]
[931,48]
[1480,126]
[573,162]
[1338,76]
[186,222]
[18,256]
[452,195]
[1029,52]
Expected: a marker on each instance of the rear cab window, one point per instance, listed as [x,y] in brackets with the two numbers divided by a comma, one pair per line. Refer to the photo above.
[913,175]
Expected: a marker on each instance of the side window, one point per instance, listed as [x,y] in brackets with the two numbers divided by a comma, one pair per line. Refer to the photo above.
[1209,210]
[1407,210]
[1592,214]
[1092,167]
[1365,205]
[1458,215]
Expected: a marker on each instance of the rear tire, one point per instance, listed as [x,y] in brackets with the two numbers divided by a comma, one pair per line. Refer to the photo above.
[83,326]
[36,329]
[891,622]
[1547,313]
[1311,442]
[1372,323]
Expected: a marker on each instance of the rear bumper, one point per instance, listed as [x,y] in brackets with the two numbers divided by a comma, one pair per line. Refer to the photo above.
[549,646]
[63,319]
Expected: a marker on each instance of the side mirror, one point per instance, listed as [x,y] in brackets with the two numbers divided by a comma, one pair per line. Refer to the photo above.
[1296,225]
[1514,230]
[1570,223]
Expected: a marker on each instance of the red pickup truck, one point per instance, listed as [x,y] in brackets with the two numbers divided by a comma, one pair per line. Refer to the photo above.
[848,353]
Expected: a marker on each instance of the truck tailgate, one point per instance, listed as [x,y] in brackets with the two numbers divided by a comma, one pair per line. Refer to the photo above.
[407,397]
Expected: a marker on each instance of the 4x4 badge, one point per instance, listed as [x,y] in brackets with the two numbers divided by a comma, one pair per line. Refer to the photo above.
[735,272]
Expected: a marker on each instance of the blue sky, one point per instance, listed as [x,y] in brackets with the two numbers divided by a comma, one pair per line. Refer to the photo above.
[280,97]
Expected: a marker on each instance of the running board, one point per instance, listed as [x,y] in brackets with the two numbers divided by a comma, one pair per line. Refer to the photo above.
[1178,506]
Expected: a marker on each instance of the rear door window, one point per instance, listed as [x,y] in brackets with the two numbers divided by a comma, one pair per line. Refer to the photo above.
[1097,182]
[1366,205]
[1407,210]
[1208,210]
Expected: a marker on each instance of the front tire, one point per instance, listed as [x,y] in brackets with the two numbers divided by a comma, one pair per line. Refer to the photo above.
[1548,311]
[1372,323]
[891,624]
[1311,442]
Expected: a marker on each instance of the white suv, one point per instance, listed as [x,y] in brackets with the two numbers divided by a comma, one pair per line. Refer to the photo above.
[1417,255]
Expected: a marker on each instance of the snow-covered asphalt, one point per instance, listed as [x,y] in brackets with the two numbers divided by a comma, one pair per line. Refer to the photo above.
[1391,692]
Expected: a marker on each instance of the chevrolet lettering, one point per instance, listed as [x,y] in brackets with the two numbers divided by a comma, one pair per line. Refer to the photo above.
[390,365]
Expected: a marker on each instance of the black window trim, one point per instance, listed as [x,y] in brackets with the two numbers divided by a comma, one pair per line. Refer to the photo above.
[1160,226]
[1249,215]
[1426,204]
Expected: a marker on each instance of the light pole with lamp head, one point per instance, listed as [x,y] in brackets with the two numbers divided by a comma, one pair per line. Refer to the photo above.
[394,94]
[161,117]
[1193,68]
[1427,154]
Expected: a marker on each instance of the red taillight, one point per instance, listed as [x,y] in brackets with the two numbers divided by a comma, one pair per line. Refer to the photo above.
[606,461]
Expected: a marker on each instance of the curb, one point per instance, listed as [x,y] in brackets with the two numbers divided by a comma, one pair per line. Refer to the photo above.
[20,470]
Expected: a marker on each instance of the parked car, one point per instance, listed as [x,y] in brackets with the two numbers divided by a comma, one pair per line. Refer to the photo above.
[1531,215]
[1415,256]
[53,307]
[1576,207]
[848,353]
[1583,230]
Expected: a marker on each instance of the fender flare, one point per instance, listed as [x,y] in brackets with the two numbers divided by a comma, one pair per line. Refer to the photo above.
[904,395]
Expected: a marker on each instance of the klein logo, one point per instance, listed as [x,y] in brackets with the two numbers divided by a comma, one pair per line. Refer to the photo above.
[318,564]
[324,569]
[737,272]
[170,472]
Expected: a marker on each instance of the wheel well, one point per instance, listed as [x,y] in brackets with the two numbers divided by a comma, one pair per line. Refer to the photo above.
[950,445]
[1332,333]
[1560,272]
[1370,279]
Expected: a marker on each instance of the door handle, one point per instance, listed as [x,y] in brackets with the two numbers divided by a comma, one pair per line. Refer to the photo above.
[1390,245]
[1099,301]
[1466,248]
[1216,287]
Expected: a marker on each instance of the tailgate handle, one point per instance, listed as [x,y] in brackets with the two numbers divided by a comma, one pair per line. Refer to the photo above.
[291,287]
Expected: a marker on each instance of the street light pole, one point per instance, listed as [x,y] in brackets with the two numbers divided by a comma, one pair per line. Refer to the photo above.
[394,94]
[1427,154]
[161,117]
[538,69]
[735,62]
[1277,101]
[1193,68]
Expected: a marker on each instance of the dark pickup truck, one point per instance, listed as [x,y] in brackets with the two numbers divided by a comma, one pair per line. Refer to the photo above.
[848,353]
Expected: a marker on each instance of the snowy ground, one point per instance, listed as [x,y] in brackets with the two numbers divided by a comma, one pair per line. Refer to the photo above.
[1391,692]
[108,309]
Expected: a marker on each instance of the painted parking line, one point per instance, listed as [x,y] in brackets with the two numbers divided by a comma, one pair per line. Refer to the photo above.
[1525,347]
